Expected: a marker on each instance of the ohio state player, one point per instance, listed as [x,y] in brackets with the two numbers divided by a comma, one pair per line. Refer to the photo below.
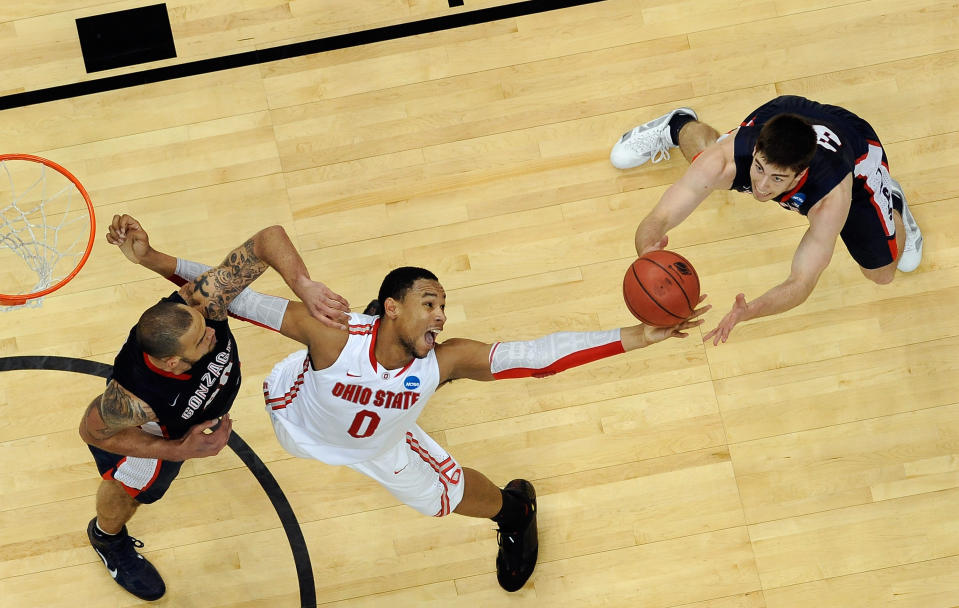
[352,398]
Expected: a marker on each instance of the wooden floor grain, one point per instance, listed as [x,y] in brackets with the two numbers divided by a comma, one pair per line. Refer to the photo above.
[811,461]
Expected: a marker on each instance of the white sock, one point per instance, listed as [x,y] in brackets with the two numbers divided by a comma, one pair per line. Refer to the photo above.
[100,530]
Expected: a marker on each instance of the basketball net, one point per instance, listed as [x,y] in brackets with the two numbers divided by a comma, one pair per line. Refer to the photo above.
[47,227]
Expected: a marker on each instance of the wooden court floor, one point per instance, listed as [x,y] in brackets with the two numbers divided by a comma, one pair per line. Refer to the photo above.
[811,461]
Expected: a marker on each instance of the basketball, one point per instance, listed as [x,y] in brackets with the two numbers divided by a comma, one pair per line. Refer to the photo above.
[661,288]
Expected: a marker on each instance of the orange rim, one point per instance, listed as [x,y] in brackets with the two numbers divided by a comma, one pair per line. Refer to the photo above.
[20,299]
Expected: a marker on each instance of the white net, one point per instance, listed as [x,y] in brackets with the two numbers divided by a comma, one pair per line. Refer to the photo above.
[44,228]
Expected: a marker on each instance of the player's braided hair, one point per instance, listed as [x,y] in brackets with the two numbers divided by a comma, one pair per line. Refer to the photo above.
[395,285]
[160,328]
[787,141]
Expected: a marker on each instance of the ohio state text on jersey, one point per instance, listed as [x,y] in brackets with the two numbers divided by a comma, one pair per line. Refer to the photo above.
[353,410]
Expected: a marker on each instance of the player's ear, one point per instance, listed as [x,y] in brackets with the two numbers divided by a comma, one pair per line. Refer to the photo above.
[168,364]
[391,308]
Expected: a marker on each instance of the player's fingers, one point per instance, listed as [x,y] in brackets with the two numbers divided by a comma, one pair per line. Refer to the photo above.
[339,300]
[699,311]
[329,322]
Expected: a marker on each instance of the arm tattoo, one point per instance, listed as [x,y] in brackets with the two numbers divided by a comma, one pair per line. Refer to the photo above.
[120,410]
[221,284]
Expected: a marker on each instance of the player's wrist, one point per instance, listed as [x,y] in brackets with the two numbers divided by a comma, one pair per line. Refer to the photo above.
[300,283]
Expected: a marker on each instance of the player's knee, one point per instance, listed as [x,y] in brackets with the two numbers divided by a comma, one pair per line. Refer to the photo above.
[882,276]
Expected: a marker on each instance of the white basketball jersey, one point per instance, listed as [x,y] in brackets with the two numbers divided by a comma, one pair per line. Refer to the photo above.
[353,410]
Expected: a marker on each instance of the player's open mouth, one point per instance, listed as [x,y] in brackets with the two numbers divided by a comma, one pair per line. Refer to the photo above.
[430,337]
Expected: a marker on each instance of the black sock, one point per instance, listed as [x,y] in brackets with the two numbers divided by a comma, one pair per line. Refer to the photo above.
[676,123]
[514,513]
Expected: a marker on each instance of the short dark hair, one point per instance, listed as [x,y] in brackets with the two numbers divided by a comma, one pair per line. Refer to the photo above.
[396,284]
[160,328]
[787,141]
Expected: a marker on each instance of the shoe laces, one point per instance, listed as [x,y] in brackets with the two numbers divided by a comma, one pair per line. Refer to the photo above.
[655,142]
[508,541]
[127,552]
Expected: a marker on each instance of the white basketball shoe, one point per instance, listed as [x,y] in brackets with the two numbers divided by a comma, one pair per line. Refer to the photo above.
[650,141]
[912,248]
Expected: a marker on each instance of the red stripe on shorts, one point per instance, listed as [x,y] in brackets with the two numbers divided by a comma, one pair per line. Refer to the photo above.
[436,466]
[278,403]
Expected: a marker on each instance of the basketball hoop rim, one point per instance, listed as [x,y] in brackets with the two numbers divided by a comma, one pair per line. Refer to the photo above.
[18,300]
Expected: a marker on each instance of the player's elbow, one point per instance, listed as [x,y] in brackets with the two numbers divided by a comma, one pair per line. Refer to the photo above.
[85,434]
[275,230]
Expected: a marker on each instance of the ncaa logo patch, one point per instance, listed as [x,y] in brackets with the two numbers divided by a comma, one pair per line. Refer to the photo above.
[411,382]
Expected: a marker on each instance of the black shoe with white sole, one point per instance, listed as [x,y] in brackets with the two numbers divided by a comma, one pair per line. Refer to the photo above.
[128,568]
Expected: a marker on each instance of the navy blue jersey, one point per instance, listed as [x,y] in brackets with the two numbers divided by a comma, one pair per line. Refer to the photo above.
[844,139]
[206,391]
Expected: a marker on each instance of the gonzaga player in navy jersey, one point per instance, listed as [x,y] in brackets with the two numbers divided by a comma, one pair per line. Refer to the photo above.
[176,377]
[819,160]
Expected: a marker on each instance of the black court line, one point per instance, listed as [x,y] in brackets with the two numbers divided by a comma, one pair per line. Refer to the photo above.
[301,555]
[287,51]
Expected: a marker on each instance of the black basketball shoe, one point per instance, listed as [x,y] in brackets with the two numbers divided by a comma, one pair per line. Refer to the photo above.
[128,568]
[518,548]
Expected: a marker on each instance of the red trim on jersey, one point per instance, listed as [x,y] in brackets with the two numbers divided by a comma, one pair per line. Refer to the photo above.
[789,195]
[375,331]
[278,403]
[163,372]
[572,360]
[439,468]
[361,330]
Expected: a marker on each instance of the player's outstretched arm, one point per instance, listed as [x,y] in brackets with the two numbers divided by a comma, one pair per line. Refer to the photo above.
[810,260]
[705,174]
[128,234]
[214,290]
[111,422]
[274,248]
[551,354]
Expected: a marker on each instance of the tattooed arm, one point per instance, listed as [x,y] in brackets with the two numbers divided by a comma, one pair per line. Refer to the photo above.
[112,422]
[212,291]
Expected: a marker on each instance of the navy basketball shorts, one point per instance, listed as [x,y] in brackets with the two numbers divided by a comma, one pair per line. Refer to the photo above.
[870,232]
[145,479]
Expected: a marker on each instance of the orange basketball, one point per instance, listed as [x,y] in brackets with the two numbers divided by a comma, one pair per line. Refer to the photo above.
[661,288]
